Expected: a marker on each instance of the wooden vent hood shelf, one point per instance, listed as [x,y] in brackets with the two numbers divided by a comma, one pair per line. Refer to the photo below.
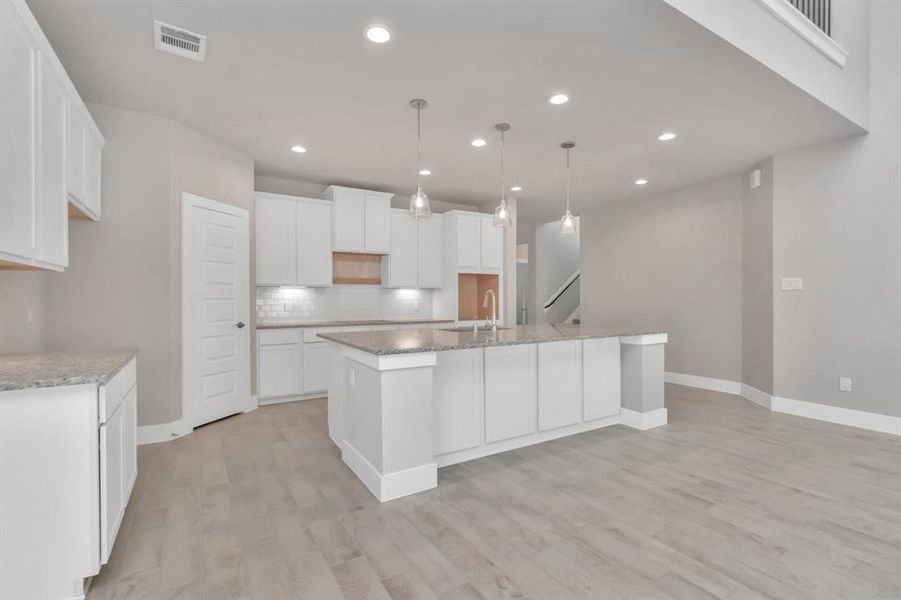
[350,268]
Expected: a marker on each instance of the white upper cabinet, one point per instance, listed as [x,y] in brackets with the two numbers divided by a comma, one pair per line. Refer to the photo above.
[479,244]
[377,223]
[18,207]
[50,148]
[469,240]
[314,243]
[402,263]
[492,239]
[293,240]
[362,221]
[431,252]
[276,240]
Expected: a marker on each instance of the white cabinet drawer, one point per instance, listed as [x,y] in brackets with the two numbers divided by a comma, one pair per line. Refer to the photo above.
[114,391]
[269,337]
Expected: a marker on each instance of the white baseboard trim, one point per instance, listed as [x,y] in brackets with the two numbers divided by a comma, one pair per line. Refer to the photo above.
[284,399]
[704,383]
[839,415]
[756,396]
[152,434]
[643,421]
[390,485]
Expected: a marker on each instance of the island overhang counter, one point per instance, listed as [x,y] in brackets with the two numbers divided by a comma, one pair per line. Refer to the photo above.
[402,403]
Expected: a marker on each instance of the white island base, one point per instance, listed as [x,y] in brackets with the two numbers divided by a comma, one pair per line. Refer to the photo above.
[398,418]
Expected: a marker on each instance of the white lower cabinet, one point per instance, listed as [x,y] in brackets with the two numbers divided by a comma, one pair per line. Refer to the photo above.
[601,378]
[279,370]
[112,480]
[315,367]
[457,400]
[510,391]
[559,384]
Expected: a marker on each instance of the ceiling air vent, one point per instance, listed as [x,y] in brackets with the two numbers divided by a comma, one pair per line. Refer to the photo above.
[178,41]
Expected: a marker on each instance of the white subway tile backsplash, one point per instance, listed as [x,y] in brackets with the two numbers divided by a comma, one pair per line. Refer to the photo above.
[341,302]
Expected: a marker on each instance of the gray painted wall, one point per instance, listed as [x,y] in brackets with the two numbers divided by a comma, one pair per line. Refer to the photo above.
[123,286]
[837,224]
[671,261]
[757,283]
[20,290]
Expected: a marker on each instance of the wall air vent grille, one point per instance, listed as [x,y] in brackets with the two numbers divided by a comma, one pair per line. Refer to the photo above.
[178,41]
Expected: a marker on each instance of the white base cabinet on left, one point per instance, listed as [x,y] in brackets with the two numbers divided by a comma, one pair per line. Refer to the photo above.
[67,468]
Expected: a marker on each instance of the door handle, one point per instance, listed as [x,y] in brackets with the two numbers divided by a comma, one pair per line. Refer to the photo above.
[240,324]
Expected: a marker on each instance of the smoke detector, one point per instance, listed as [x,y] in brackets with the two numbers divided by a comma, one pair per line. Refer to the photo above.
[178,41]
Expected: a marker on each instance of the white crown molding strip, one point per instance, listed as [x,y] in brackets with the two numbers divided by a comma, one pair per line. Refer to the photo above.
[164,432]
[839,415]
[795,20]
[704,383]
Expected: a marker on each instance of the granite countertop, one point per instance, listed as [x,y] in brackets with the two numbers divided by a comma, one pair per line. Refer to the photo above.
[407,341]
[291,325]
[53,369]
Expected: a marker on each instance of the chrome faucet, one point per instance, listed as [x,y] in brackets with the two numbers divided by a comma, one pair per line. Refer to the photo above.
[493,308]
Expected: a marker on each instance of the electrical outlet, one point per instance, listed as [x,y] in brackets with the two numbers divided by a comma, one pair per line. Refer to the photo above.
[844,384]
[792,283]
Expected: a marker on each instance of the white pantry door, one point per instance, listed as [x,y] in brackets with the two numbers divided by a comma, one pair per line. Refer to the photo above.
[215,310]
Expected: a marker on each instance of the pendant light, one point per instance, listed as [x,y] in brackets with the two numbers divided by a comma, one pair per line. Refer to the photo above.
[502,213]
[419,202]
[567,221]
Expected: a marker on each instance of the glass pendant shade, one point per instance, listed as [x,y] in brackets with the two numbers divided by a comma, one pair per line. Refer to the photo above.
[567,223]
[502,212]
[419,204]
[502,215]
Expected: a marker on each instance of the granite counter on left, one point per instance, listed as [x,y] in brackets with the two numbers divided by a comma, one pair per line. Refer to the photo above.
[54,369]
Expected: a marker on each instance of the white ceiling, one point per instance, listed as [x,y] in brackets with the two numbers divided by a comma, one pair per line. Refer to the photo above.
[283,73]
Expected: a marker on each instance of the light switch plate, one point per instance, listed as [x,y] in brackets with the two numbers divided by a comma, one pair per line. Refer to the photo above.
[792,283]
[844,384]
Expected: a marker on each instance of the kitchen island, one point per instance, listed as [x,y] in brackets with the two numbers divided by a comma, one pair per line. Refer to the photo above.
[402,403]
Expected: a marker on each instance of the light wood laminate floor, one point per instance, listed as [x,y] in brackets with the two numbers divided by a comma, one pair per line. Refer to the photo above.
[728,501]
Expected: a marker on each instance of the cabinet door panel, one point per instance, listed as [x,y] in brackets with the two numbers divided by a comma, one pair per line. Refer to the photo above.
[279,370]
[601,378]
[315,367]
[17,136]
[510,395]
[112,481]
[314,244]
[492,240]
[53,220]
[377,225]
[559,384]
[349,217]
[469,243]
[130,440]
[76,175]
[431,252]
[93,155]
[275,242]
[457,400]
[403,257]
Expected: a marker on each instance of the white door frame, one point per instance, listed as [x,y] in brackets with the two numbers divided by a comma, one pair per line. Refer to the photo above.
[188,368]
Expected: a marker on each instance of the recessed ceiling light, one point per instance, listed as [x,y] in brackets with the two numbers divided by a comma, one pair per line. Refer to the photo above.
[298,149]
[378,34]
[667,136]
[516,188]
[640,181]
[425,172]
[478,143]
[558,99]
